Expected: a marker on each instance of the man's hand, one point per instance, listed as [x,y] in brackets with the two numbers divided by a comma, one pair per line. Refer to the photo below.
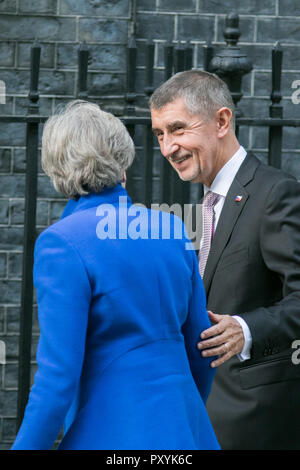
[226,338]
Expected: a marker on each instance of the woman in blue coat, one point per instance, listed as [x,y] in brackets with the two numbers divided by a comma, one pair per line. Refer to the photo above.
[120,304]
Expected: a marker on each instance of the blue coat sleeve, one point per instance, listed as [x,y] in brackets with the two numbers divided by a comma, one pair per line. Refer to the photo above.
[196,322]
[63,296]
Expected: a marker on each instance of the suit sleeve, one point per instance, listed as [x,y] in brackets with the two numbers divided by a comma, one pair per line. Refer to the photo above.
[278,325]
[63,296]
[196,322]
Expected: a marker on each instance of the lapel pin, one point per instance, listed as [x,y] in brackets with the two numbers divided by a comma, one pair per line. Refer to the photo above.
[238,198]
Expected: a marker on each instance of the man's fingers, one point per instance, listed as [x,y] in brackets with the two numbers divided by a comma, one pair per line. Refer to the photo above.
[212,342]
[218,351]
[214,330]
[222,359]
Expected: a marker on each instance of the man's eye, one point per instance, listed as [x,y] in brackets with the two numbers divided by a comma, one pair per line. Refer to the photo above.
[178,130]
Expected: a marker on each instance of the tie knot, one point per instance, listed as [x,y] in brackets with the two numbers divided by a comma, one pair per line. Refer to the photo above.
[210,199]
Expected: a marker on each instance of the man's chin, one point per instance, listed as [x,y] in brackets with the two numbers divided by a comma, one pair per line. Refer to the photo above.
[189,178]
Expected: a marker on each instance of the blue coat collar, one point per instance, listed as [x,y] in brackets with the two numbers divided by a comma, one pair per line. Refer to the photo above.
[107,196]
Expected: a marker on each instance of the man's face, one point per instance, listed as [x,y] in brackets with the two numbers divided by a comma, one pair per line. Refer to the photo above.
[189,142]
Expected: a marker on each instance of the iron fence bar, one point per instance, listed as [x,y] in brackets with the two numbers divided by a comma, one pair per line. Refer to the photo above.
[130,98]
[188,57]
[83,60]
[144,120]
[177,185]
[165,167]
[29,240]
[208,52]
[148,165]
[148,135]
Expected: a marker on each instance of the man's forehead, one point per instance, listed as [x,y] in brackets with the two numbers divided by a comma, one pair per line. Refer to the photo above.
[173,114]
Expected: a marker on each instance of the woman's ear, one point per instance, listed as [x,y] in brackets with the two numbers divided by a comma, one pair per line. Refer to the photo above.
[123,182]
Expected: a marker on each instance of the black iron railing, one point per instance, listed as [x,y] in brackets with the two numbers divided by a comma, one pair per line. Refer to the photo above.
[229,62]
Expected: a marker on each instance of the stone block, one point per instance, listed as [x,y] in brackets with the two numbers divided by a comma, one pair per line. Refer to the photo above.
[95,7]
[8,403]
[12,133]
[99,30]
[16,81]
[7,54]
[47,54]
[3,265]
[291,57]
[7,107]
[104,57]
[46,189]
[9,428]
[8,6]
[262,83]
[15,262]
[253,7]
[288,8]
[290,138]
[13,185]
[291,163]
[147,5]
[4,211]
[11,238]
[10,380]
[195,28]
[152,26]
[38,6]
[22,103]
[260,55]
[42,208]
[5,160]
[17,211]
[272,30]
[13,319]
[2,319]
[177,5]
[19,160]
[37,27]
[53,82]
[10,291]
[106,83]
[56,210]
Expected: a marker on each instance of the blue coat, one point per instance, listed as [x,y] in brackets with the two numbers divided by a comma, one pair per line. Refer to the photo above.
[119,322]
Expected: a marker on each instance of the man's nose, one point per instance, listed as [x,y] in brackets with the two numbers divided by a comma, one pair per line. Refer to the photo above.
[168,146]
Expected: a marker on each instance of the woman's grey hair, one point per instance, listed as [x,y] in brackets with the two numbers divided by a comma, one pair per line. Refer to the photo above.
[85,149]
[204,93]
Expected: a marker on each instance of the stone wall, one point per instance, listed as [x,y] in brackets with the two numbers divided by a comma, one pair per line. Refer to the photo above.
[59,26]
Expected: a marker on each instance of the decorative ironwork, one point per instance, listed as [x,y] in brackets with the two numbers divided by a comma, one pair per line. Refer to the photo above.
[230,63]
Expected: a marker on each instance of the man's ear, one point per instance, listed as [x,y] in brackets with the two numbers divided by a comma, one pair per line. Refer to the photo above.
[223,116]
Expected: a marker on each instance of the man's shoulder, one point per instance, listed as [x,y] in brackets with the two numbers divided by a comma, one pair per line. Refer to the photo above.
[270,175]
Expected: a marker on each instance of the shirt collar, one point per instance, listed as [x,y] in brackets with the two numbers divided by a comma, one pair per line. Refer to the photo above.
[226,175]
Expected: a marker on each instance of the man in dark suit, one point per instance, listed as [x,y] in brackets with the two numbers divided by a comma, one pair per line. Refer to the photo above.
[249,259]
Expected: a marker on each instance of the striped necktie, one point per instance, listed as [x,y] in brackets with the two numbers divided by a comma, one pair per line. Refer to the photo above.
[209,201]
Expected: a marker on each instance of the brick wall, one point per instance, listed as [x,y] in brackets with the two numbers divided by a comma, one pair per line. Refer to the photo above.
[59,26]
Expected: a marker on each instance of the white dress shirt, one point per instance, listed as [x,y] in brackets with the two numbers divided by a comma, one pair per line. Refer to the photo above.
[221,185]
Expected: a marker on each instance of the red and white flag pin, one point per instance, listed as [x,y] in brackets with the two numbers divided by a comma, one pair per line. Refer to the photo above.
[238,198]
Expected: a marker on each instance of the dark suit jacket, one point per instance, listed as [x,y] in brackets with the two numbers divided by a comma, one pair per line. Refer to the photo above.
[253,270]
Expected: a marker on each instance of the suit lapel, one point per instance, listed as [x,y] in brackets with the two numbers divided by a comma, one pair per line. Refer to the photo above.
[230,213]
